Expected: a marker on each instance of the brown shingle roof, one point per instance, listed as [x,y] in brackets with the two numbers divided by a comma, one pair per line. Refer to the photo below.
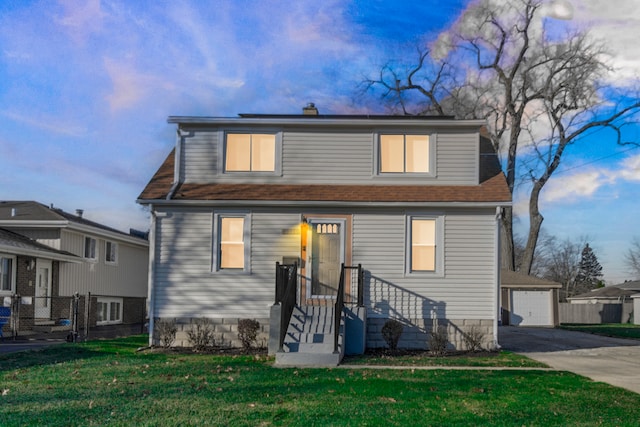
[513,279]
[492,190]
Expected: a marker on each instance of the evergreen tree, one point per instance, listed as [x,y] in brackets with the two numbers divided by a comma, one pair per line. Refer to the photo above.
[589,271]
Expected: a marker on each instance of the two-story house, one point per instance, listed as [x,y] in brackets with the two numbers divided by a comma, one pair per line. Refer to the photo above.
[50,255]
[415,201]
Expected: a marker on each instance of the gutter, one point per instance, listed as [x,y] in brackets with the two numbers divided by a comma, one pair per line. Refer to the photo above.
[333,121]
[151,275]
[328,203]
[498,267]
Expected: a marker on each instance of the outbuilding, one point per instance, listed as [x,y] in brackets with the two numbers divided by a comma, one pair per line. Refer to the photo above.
[528,300]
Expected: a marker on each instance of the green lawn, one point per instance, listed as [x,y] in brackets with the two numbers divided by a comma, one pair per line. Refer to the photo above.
[109,383]
[501,359]
[620,330]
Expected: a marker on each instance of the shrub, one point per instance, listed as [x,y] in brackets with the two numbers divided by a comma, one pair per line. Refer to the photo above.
[201,334]
[391,331]
[248,332]
[166,330]
[438,339]
[473,339]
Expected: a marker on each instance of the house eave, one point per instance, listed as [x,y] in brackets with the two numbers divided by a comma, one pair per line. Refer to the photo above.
[34,224]
[40,254]
[294,203]
[375,121]
[118,237]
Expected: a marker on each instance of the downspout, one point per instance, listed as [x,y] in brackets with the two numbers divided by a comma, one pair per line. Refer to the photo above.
[497,267]
[151,275]
[177,165]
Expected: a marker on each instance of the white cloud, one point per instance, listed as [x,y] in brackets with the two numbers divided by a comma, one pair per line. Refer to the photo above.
[574,187]
[567,189]
[81,19]
[50,124]
[615,22]
[129,86]
[630,168]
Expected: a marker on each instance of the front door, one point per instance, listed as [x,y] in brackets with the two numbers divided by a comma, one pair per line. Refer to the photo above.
[325,254]
[42,303]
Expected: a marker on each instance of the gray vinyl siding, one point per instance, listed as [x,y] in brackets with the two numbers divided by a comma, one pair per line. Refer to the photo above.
[321,157]
[465,290]
[185,285]
[457,158]
[200,155]
[127,278]
[45,236]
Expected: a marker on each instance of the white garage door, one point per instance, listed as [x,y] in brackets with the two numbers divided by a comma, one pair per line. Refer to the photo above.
[531,308]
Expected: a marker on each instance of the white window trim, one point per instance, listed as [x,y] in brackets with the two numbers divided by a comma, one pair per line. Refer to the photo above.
[404,175]
[439,252]
[222,150]
[108,301]
[106,252]
[12,279]
[84,249]
[215,252]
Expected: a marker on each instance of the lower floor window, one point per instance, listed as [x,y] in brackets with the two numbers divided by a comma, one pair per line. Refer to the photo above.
[424,244]
[6,273]
[109,311]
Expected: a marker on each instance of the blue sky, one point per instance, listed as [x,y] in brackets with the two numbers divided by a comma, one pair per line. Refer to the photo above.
[86,87]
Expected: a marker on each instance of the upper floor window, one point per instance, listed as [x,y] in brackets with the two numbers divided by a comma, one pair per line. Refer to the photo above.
[90,251]
[111,252]
[6,273]
[250,152]
[404,153]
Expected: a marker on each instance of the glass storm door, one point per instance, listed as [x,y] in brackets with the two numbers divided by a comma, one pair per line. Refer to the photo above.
[327,254]
[42,303]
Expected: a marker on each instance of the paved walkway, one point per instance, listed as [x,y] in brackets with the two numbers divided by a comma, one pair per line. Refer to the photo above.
[10,346]
[615,361]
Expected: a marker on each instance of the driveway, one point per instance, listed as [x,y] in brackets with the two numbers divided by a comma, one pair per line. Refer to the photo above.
[615,361]
[9,346]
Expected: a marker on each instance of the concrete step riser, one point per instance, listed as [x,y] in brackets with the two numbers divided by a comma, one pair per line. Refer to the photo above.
[310,339]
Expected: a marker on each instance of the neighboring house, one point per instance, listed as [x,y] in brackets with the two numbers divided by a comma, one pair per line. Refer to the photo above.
[528,300]
[29,269]
[615,294]
[52,254]
[415,201]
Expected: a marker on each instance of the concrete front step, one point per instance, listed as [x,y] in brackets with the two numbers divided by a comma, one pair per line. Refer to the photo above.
[310,338]
[298,347]
[308,359]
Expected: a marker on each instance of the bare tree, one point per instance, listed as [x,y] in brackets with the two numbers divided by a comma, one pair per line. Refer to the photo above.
[539,94]
[561,263]
[632,258]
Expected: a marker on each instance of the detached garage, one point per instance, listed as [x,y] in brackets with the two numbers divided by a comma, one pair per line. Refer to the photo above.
[528,300]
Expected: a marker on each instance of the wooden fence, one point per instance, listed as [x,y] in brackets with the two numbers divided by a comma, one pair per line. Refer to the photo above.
[596,313]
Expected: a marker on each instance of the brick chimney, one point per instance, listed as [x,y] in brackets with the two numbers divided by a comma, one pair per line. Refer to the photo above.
[310,110]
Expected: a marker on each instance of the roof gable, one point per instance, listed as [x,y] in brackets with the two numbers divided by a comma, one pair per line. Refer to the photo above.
[18,244]
[20,213]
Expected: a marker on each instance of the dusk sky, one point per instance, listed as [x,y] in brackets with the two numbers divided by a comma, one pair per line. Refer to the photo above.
[86,88]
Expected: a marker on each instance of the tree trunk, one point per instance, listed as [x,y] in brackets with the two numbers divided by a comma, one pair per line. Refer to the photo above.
[507,251]
[535,223]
